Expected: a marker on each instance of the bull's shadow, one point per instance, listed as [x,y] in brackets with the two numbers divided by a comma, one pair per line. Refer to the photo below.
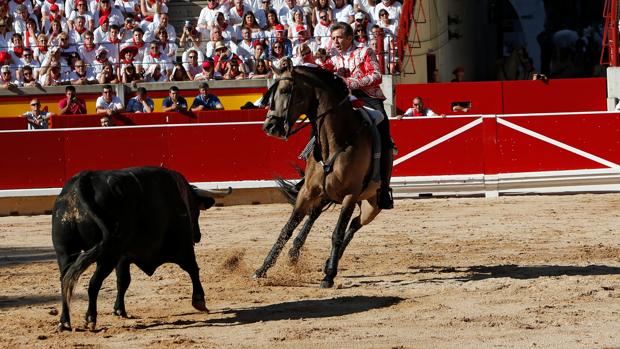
[513,271]
[20,255]
[315,308]
[306,309]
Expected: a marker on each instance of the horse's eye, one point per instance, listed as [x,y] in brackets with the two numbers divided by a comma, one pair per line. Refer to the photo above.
[285,91]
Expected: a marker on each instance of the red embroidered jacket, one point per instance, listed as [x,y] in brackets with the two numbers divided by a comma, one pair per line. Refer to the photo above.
[360,69]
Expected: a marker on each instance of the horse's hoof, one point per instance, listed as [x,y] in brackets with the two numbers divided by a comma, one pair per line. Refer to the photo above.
[258,274]
[327,284]
[63,326]
[121,313]
[293,258]
[199,304]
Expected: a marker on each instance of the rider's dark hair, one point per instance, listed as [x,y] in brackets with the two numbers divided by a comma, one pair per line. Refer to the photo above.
[347,29]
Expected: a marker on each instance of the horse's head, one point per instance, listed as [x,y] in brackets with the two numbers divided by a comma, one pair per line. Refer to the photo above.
[289,97]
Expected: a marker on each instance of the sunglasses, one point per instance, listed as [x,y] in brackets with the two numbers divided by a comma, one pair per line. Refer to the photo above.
[323,17]
[34,104]
[107,92]
[191,56]
[383,14]
[275,47]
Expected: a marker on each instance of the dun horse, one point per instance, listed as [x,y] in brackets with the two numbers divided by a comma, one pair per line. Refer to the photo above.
[340,170]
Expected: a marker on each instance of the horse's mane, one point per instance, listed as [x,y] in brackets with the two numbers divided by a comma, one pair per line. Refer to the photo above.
[326,78]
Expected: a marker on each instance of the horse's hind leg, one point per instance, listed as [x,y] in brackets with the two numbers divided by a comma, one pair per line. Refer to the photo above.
[367,214]
[331,266]
[299,241]
[286,233]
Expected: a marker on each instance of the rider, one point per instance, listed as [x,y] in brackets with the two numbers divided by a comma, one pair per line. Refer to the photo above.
[359,68]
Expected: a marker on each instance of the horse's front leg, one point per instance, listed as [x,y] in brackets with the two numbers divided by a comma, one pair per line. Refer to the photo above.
[299,241]
[331,266]
[285,235]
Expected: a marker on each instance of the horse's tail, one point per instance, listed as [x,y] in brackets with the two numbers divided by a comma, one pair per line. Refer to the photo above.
[289,189]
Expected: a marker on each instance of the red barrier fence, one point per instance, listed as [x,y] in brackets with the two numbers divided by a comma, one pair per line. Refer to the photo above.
[570,144]
[509,97]
[131,119]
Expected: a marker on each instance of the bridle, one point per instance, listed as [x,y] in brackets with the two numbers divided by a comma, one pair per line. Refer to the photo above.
[289,131]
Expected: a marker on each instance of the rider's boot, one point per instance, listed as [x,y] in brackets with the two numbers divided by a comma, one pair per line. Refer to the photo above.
[385,199]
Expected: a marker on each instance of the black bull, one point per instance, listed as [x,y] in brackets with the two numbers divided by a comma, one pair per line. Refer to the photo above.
[147,216]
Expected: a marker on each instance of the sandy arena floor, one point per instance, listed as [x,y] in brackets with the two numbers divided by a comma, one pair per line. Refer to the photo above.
[513,272]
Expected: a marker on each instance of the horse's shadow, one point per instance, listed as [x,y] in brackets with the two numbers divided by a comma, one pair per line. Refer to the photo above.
[513,271]
[306,309]
[483,272]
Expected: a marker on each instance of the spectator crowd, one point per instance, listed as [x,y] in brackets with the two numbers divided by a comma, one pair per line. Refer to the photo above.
[77,42]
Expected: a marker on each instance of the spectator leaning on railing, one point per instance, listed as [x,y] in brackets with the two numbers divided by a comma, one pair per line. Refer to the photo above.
[141,103]
[37,118]
[108,103]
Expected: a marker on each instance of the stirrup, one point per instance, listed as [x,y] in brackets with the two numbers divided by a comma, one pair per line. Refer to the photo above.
[385,200]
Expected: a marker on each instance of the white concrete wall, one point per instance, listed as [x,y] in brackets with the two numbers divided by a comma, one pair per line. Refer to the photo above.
[613,87]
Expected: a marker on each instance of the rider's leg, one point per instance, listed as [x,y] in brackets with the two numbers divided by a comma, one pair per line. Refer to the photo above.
[384,197]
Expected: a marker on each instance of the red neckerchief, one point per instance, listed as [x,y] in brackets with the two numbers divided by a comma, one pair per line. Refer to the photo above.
[42,49]
[27,38]
[19,51]
[114,40]
[325,23]
[81,31]
[155,55]
[89,48]
[103,12]
[418,112]
[239,11]
[361,39]
[224,26]
[279,39]
[101,60]
[139,45]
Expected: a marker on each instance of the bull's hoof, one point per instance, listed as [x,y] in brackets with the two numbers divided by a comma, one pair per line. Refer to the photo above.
[91,326]
[259,274]
[63,326]
[200,305]
[121,313]
[327,284]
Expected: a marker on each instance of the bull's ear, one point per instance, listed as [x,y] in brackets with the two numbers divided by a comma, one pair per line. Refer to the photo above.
[205,202]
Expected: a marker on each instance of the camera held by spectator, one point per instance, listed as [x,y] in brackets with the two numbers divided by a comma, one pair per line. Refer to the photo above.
[540,77]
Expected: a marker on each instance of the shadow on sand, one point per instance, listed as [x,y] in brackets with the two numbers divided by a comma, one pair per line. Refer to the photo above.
[21,255]
[416,275]
[481,272]
[307,309]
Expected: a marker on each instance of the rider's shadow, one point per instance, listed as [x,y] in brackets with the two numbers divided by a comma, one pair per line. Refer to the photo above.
[481,272]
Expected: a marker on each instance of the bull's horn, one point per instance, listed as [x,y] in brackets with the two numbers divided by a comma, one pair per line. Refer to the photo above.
[213,193]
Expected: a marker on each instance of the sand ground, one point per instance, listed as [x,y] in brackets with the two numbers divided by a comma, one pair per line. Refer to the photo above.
[510,272]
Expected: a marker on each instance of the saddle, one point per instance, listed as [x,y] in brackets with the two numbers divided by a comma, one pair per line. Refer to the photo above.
[372,118]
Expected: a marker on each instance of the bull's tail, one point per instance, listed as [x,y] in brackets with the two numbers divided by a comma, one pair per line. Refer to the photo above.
[76,269]
[86,196]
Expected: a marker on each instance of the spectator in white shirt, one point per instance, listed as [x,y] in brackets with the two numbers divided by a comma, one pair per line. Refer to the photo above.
[343,12]
[108,103]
